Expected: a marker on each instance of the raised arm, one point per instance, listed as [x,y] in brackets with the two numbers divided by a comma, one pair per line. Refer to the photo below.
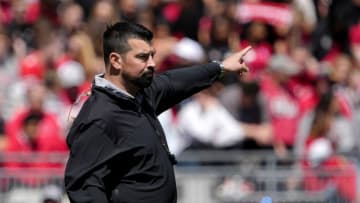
[171,87]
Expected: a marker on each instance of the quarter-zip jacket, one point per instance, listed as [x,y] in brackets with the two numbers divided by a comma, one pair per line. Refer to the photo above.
[118,151]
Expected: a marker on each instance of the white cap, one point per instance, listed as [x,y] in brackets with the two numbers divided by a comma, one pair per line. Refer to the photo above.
[284,64]
[71,74]
[319,150]
[189,50]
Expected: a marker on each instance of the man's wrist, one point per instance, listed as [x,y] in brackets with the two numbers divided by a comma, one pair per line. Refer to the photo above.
[222,67]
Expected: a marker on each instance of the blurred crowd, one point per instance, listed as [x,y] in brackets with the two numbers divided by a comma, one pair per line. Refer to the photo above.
[303,86]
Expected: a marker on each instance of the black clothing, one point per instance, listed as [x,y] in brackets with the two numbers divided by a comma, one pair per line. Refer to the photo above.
[2,127]
[118,151]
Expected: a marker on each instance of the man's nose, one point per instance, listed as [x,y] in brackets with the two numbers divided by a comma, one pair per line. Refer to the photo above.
[151,61]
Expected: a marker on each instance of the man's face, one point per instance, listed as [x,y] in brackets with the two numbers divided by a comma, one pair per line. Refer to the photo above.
[138,64]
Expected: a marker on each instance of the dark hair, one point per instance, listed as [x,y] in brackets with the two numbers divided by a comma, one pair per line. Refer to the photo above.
[323,113]
[325,101]
[33,117]
[116,36]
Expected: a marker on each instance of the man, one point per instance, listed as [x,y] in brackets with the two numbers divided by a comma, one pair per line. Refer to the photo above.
[118,151]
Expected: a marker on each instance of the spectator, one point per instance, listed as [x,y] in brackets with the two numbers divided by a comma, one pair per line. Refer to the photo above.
[324,170]
[337,80]
[206,124]
[321,40]
[48,10]
[245,102]
[71,17]
[178,53]
[164,43]
[282,105]
[215,8]
[256,34]
[343,15]
[127,9]
[34,130]
[307,16]
[8,68]
[184,17]
[326,121]
[102,13]
[20,22]
[71,77]
[34,67]
[219,33]
[86,5]
[81,49]
[322,120]
[303,84]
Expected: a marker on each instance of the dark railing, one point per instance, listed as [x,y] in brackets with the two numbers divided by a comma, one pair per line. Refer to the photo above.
[202,177]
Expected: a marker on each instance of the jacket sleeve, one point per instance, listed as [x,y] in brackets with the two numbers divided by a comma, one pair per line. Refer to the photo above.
[88,171]
[170,87]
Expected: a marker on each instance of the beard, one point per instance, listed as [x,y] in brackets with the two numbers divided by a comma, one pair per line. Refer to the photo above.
[144,80]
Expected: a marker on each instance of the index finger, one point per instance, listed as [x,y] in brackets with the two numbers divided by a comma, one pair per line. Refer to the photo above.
[245,51]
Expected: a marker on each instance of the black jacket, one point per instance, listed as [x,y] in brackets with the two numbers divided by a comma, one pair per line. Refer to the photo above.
[118,151]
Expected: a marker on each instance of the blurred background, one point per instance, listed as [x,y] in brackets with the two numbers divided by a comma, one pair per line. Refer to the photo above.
[287,131]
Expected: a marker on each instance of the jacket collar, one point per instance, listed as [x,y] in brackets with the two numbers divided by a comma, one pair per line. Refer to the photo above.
[100,81]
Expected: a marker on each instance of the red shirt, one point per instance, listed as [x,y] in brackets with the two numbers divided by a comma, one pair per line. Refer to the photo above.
[283,109]
[305,94]
[335,171]
[49,138]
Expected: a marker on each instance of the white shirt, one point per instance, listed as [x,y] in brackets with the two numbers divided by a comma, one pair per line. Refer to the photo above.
[214,125]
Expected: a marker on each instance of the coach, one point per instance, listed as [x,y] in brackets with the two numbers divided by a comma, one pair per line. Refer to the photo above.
[118,151]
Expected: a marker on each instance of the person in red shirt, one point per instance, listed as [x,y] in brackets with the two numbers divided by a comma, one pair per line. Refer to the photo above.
[323,168]
[34,131]
[256,35]
[33,136]
[282,105]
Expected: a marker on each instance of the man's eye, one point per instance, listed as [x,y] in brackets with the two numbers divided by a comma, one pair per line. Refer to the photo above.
[143,57]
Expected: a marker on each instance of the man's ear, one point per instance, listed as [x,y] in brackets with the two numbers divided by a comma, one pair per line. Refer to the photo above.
[115,60]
